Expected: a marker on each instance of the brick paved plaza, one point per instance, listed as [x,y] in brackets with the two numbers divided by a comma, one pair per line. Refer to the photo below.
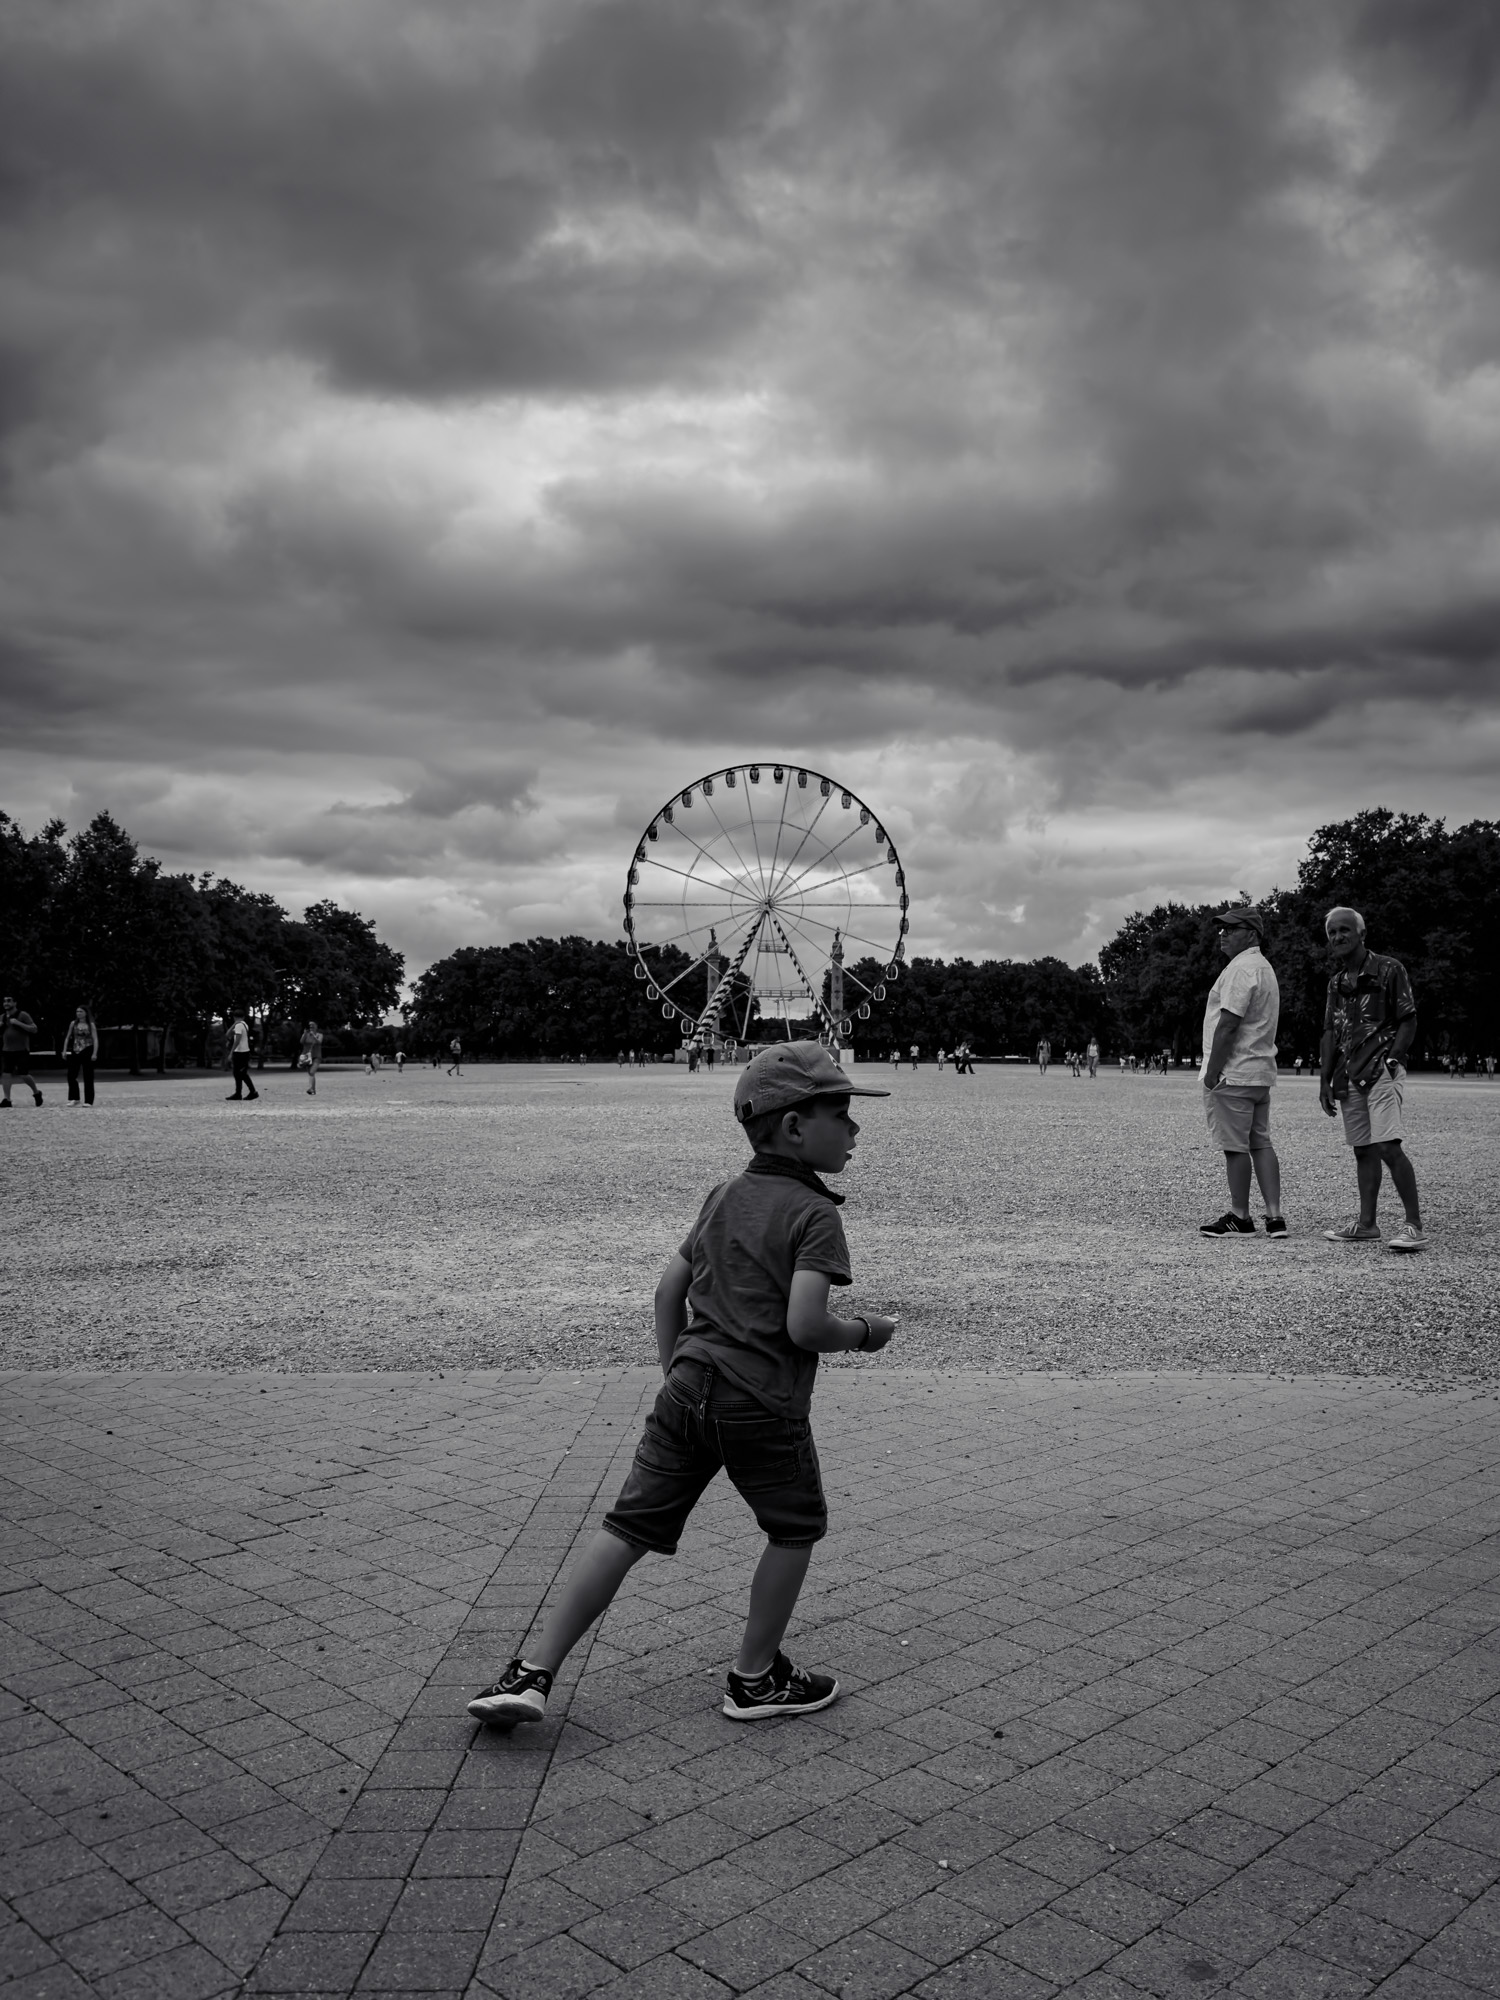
[1239,1635]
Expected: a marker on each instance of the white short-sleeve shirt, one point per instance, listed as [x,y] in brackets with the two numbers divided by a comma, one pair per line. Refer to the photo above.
[1247,987]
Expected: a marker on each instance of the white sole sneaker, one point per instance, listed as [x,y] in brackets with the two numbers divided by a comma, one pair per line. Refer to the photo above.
[528,1707]
[519,1695]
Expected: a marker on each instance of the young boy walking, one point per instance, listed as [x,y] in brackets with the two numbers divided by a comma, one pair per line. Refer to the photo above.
[741,1318]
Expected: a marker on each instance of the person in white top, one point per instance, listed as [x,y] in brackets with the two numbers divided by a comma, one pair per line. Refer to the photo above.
[1239,1070]
[239,1060]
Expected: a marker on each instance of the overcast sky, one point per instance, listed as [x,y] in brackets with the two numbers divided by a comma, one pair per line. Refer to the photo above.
[433,434]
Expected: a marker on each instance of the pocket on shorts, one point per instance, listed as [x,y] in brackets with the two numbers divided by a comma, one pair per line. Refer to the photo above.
[762,1452]
[662,1447]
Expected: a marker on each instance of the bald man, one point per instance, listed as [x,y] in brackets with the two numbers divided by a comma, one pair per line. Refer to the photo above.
[1368,1026]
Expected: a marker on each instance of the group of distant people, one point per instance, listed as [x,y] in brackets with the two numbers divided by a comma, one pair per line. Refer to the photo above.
[80,1049]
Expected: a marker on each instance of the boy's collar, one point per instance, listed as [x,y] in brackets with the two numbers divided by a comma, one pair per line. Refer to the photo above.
[776,1163]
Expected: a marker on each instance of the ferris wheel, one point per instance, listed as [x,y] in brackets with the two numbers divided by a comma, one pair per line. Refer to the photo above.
[750,889]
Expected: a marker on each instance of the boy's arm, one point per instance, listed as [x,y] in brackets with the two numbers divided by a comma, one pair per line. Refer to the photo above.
[671,1307]
[811,1325]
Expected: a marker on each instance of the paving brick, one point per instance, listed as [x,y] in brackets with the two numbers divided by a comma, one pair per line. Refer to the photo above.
[321,1962]
[188,1973]
[560,1968]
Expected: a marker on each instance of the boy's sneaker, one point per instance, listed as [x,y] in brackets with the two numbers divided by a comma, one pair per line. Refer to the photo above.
[781,1690]
[520,1695]
[1409,1238]
[1229,1224]
[1354,1232]
[1276,1225]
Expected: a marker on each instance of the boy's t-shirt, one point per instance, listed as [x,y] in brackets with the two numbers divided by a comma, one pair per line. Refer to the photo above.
[751,1235]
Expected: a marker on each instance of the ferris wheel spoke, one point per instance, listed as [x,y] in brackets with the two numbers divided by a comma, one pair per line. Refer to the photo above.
[755,835]
[785,888]
[884,951]
[859,982]
[666,943]
[712,859]
[733,847]
[776,886]
[844,875]
[697,964]
[687,874]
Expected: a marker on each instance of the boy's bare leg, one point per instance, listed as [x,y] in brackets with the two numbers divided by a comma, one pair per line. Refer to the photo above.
[773,1598]
[587,1595]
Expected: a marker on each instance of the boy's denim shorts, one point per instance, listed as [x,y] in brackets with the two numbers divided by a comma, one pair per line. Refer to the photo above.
[701,1422]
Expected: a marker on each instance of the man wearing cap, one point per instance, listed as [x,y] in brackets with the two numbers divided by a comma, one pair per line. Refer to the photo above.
[1368,1025]
[1239,1071]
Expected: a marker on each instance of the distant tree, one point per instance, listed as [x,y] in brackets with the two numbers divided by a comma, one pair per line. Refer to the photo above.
[336,971]
[1000,1006]
[547,997]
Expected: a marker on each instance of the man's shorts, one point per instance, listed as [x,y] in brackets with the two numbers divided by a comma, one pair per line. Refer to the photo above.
[1239,1116]
[15,1062]
[701,1423]
[1373,1116]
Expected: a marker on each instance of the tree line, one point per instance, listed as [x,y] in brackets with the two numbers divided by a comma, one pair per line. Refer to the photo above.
[91,921]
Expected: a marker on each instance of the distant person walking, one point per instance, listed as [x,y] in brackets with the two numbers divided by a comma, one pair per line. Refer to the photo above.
[400,1062]
[15,1050]
[1239,1070]
[1043,1054]
[81,1051]
[312,1054]
[239,1061]
[963,1060]
[915,1052]
[1369,1024]
[456,1050]
[370,1061]
[1093,1059]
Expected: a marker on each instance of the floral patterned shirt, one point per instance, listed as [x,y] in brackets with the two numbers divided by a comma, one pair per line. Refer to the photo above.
[1361,1003]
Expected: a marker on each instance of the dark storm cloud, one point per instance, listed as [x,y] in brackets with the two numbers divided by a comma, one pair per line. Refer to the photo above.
[382,193]
[469,414]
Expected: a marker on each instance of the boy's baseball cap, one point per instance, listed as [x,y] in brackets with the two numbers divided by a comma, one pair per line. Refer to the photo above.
[1242,913]
[789,1073]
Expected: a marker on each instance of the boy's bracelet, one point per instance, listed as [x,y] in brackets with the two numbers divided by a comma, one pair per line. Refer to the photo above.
[864,1339]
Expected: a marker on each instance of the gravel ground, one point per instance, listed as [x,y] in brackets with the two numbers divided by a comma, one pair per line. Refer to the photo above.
[520,1216]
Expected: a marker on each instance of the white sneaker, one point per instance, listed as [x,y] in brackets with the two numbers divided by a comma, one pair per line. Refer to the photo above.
[1407,1238]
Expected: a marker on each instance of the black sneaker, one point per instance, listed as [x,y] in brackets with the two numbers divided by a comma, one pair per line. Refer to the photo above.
[781,1690]
[1276,1225]
[1229,1224]
[520,1695]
